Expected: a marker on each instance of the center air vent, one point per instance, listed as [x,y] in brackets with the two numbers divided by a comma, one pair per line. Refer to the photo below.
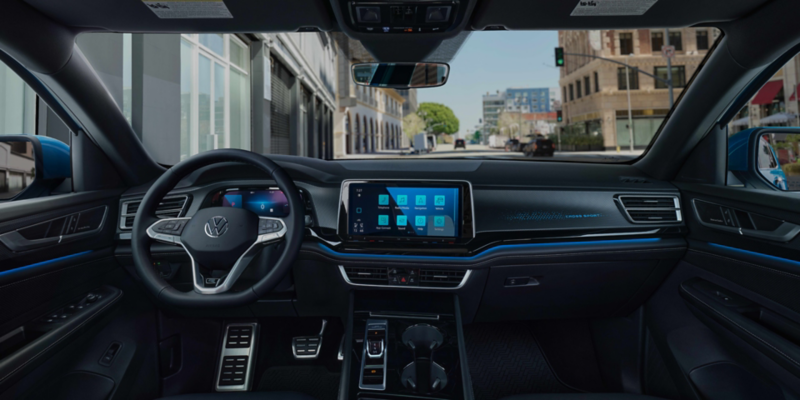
[404,277]
[644,209]
[367,275]
[440,278]
[170,207]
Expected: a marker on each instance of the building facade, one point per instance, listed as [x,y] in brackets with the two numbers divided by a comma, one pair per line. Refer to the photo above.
[520,101]
[529,100]
[367,119]
[493,105]
[775,104]
[410,104]
[594,91]
[185,94]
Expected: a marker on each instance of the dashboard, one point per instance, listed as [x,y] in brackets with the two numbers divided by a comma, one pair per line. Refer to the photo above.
[512,239]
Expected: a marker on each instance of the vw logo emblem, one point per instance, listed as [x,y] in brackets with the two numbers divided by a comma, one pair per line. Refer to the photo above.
[216,227]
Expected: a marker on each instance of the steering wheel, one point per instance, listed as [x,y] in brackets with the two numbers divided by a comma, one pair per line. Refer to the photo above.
[220,241]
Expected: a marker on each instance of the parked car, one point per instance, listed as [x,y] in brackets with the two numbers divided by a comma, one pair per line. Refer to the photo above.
[539,146]
[460,143]
[513,145]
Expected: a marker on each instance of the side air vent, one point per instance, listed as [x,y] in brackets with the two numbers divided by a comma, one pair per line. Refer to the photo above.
[368,276]
[440,278]
[650,209]
[170,207]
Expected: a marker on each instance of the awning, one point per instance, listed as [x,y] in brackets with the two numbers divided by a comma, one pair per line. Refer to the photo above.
[794,95]
[768,92]
[779,118]
[741,122]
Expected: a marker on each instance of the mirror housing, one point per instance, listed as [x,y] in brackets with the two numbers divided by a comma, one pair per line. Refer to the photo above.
[51,163]
[401,75]
[754,161]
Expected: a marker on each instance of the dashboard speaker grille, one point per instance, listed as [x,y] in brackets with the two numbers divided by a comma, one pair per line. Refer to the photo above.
[169,207]
[440,278]
[643,209]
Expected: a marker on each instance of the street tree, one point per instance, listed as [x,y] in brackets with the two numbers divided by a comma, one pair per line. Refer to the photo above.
[511,123]
[438,118]
[412,125]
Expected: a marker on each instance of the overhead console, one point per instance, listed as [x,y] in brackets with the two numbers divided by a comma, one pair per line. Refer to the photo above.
[406,212]
[404,17]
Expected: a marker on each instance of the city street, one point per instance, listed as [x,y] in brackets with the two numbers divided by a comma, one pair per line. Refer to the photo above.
[483,151]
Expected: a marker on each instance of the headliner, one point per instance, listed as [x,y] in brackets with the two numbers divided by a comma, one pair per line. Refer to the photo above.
[277,16]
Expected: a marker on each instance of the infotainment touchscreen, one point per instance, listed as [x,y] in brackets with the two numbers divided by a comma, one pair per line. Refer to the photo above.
[404,210]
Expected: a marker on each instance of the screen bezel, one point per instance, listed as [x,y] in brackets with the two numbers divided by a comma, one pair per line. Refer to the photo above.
[466,206]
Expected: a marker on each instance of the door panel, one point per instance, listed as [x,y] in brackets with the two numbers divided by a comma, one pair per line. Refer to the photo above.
[53,292]
[726,322]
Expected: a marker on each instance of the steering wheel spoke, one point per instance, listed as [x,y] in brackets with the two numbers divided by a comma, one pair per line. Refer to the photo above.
[167,230]
[270,230]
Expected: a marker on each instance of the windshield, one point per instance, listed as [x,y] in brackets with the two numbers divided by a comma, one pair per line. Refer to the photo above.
[596,96]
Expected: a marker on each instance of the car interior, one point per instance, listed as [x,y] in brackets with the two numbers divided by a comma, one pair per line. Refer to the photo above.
[671,275]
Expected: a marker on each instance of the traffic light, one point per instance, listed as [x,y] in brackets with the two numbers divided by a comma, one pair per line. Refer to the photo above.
[559,116]
[559,56]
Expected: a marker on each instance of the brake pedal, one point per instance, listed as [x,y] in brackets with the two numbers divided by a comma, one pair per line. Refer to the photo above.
[304,347]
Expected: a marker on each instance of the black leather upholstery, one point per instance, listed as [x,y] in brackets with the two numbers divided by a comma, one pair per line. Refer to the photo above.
[581,396]
[242,396]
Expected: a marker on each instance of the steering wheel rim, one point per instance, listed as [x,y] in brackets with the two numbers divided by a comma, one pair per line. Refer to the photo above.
[145,219]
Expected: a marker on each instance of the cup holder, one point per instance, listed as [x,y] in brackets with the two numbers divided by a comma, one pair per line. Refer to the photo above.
[423,375]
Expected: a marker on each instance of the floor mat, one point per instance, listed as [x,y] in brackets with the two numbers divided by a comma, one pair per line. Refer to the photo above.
[504,359]
[569,349]
[315,381]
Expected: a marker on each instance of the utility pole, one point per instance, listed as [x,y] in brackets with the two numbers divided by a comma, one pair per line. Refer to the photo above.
[630,114]
[669,67]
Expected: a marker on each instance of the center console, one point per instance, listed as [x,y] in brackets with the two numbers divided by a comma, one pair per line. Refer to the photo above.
[414,353]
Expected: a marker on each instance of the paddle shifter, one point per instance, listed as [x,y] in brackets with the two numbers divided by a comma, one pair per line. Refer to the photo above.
[423,375]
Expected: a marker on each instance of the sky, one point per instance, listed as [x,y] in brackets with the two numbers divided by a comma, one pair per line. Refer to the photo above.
[491,61]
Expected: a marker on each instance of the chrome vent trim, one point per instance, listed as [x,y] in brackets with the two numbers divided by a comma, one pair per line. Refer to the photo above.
[650,209]
[378,277]
[169,207]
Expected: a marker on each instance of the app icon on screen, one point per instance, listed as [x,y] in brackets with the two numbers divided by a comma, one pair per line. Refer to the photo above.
[438,220]
[420,200]
[419,220]
[402,200]
[383,220]
[402,220]
[438,200]
[383,199]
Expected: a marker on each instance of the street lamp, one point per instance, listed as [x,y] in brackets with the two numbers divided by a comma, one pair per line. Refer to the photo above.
[630,114]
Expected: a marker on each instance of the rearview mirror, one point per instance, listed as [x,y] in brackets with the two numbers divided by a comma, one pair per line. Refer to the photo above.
[31,165]
[401,75]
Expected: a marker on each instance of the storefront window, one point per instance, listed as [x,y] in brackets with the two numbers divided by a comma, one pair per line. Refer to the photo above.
[17,104]
[222,95]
